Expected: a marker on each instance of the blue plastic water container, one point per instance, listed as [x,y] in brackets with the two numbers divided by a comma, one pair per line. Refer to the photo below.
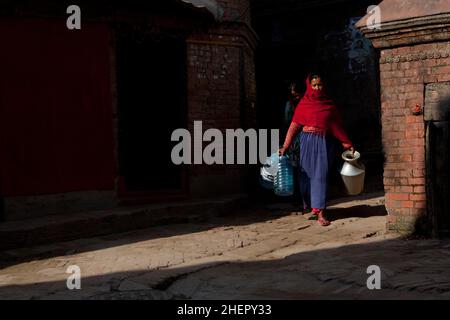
[284,180]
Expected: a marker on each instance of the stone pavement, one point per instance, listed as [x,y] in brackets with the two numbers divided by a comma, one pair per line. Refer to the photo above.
[267,253]
[94,223]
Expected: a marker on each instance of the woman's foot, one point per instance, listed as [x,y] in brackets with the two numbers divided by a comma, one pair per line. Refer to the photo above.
[323,222]
[321,218]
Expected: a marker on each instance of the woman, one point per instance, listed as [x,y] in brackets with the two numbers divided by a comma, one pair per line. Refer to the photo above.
[316,117]
[294,96]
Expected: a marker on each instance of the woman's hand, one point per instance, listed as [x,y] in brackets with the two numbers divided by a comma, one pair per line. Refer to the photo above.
[282,151]
[349,147]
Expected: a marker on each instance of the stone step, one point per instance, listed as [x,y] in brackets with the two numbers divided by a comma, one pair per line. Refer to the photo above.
[57,228]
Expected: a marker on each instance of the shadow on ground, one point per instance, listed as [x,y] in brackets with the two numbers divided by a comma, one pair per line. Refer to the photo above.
[257,213]
[409,270]
[361,211]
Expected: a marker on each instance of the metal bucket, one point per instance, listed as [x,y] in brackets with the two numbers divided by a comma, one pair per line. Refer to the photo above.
[353,173]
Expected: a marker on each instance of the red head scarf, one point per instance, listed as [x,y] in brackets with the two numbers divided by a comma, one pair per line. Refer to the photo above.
[316,109]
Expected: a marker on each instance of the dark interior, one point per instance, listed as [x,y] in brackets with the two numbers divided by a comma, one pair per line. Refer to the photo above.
[298,38]
[151,93]
[437,117]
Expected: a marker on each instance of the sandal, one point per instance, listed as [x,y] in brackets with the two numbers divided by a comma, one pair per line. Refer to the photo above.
[321,219]
[323,222]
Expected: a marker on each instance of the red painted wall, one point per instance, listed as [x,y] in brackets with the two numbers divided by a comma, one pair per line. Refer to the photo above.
[56,129]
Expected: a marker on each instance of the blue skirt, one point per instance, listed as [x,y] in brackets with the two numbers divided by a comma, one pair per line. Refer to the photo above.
[316,156]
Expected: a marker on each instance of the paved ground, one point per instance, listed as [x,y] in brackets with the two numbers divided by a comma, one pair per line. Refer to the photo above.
[269,253]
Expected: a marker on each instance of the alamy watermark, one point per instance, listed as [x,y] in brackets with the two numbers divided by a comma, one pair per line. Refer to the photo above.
[374,281]
[74,20]
[374,20]
[74,280]
[236,146]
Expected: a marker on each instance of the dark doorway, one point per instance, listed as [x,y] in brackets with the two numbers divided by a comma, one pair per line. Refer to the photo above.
[438,140]
[151,105]
[437,117]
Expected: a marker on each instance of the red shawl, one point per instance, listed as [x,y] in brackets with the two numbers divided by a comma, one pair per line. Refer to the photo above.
[316,109]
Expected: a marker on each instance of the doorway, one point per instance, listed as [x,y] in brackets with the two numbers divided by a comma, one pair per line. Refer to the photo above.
[437,111]
[151,84]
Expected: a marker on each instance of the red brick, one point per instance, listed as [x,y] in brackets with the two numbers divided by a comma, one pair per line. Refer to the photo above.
[407,204]
[416,181]
[390,165]
[441,70]
[419,157]
[395,181]
[414,133]
[385,67]
[399,119]
[406,173]
[418,197]
[430,64]
[414,88]
[411,72]
[418,143]
[389,173]
[388,82]
[444,77]
[430,78]
[397,196]
[393,204]
[403,189]
[413,119]
[399,212]
[419,173]
[395,154]
[395,157]
[411,142]
[419,189]
[398,74]
[399,112]
[417,126]
[415,94]
[416,165]
[386,112]
[402,50]
[391,125]
[406,158]
[404,66]
[394,135]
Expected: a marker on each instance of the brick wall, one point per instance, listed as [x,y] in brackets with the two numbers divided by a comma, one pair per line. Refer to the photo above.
[222,91]
[404,72]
